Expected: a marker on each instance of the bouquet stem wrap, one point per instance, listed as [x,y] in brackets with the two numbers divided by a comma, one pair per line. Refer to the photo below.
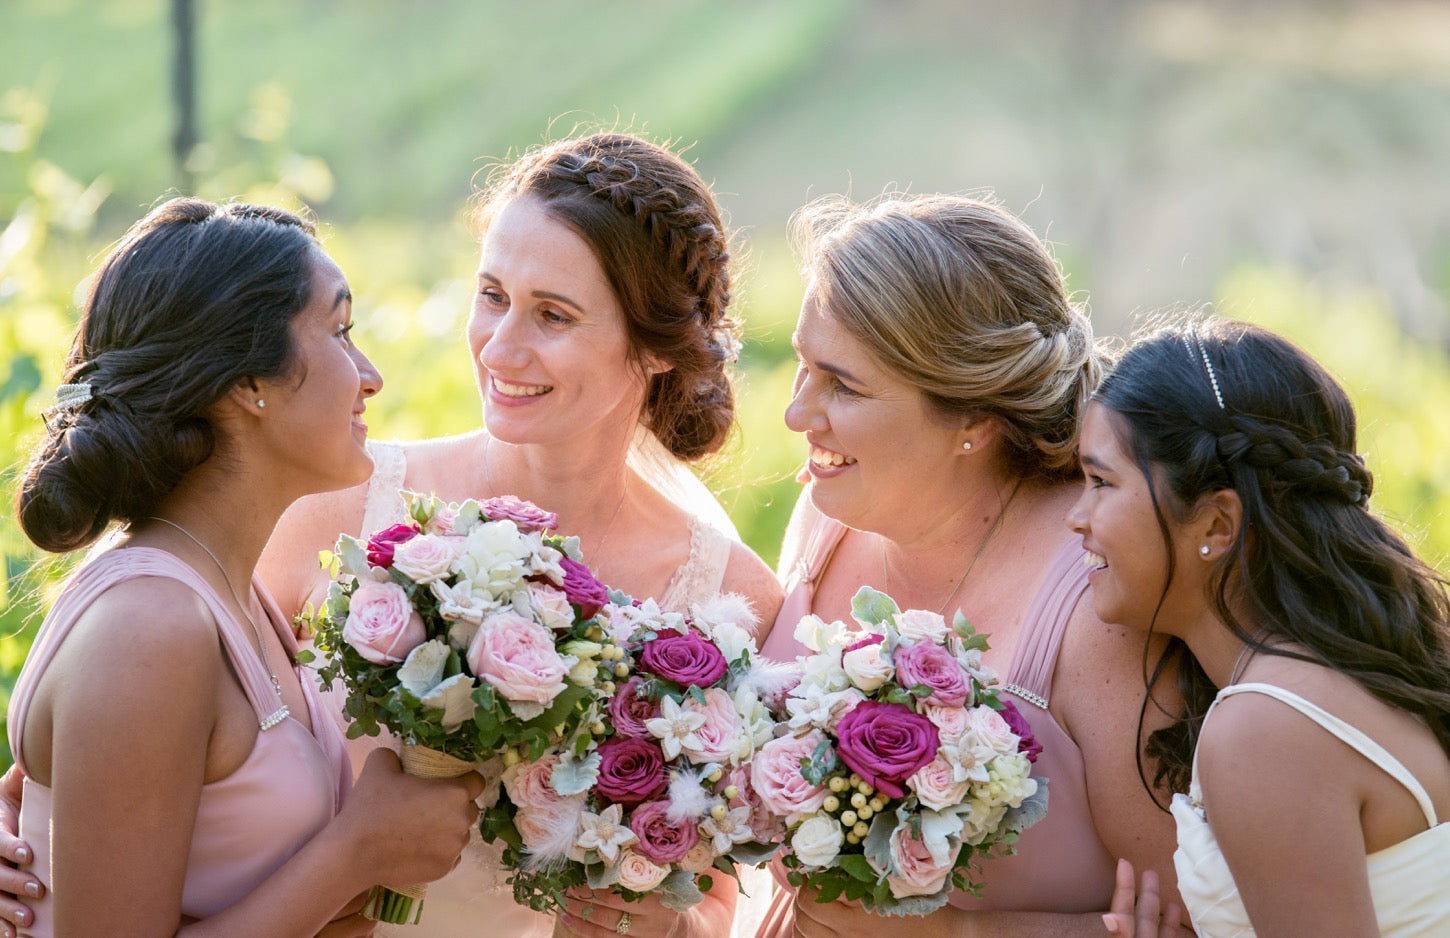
[403,905]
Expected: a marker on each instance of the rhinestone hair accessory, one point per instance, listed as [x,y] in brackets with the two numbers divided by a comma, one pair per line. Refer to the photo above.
[1208,365]
[68,397]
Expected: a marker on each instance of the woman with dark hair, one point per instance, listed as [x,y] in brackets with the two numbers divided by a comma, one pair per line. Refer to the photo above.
[601,343]
[943,367]
[1226,505]
[179,774]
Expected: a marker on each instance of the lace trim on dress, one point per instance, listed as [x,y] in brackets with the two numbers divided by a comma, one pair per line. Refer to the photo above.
[702,574]
[382,506]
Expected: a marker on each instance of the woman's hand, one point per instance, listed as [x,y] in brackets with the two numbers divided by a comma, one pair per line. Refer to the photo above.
[1134,912]
[599,913]
[16,882]
[350,922]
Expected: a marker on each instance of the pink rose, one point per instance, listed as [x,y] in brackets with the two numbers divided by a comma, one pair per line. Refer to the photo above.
[683,657]
[382,544]
[638,873]
[425,558]
[935,667]
[700,858]
[628,710]
[717,734]
[541,809]
[935,786]
[885,744]
[1027,743]
[661,839]
[442,521]
[381,623]
[992,730]
[516,655]
[915,871]
[766,823]
[951,722]
[582,588]
[551,606]
[630,770]
[775,774]
[921,625]
[526,516]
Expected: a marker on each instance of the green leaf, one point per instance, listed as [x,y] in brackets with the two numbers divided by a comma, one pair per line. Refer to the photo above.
[857,867]
[872,607]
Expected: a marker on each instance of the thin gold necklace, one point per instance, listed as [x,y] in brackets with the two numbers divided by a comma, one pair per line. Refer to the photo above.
[281,714]
[976,555]
[608,529]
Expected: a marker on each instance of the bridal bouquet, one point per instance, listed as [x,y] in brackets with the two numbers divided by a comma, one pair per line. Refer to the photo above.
[466,630]
[901,764]
[660,793]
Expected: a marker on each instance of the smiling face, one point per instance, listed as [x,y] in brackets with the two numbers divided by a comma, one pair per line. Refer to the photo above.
[320,402]
[1122,538]
[550,351]
[878,450]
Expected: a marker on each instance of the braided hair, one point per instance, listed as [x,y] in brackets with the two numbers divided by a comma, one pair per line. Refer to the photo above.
[1216,405]
[657,231]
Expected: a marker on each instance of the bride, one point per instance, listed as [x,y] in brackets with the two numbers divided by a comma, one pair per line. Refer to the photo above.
[600,343]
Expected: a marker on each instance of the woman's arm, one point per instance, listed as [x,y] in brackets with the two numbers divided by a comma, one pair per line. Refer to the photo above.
[1280,797]
[748,575]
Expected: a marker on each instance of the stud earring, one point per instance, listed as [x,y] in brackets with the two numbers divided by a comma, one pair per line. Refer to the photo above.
[1204,550]
[261,403]
[967,445]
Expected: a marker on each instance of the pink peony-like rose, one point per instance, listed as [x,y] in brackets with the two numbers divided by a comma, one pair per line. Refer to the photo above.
[525,515]
[775,774]
[683,657]
[425,558]
[885,744]
[717,734]
[661,839]
[442,521]
[382,544]
[1027,742]
[516,655]
[630,770]
[951,722]
[628,710]
[541,809]
[935,667]
[381,623]
[551,606]
[935,787]
[915,872]
[992,730]
[582,588]
[766,823]
[638,873]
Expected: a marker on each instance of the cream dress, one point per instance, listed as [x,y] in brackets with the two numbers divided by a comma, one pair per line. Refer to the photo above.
[475,898]
[1407,880]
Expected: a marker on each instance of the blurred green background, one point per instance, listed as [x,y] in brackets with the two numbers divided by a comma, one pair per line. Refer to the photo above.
[1281,161]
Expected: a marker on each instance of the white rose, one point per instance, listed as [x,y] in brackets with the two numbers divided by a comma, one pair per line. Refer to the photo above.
[639,873]
[921,625]
[425,558]
[824,671]
[818,635]
[992,730]
[731,639]
[866,668]
[818,840]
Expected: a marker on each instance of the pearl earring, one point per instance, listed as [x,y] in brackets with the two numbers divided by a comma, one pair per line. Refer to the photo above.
[261,403]
[967,445]
[1204,550]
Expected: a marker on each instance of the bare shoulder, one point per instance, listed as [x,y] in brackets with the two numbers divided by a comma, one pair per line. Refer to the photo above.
[1260,735]
[749,576]
[1100,664]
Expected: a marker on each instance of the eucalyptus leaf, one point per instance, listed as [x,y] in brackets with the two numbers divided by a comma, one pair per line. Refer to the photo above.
[678,892]
[872,607]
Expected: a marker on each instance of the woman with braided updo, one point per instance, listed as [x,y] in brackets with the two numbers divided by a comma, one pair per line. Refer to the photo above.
[1226,505]
[601,341]
[943,368]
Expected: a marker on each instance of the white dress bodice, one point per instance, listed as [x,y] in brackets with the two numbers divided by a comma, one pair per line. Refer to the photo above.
[1407,880]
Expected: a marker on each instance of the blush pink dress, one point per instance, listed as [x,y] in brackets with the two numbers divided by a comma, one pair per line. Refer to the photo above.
[1061,865]
[247,824]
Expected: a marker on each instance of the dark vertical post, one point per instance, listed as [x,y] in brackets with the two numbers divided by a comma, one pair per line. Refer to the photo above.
[183,90]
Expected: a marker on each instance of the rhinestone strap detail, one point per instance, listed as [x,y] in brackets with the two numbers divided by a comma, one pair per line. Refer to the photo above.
[275,717]
[1037,700]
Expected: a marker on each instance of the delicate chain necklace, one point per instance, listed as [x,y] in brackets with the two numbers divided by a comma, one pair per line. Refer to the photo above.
[281,714]
[1240,662]
[609,528]
[886,574]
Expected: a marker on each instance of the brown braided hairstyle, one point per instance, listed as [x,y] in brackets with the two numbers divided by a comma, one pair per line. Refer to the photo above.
[1218,405]
[656,229]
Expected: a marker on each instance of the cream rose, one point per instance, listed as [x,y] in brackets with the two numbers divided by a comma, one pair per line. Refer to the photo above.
[425,558]
[638,873]
[921,625]
[817,842]
[866,668]
[935,785]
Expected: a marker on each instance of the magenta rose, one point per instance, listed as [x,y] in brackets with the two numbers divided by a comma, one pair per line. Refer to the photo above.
[885,744]
[381,623]
[872,638]
[628,710]
[630,770]
[683,657]
[935,667]
[661,839]
[526,516]
[582,588]
[382,544]
[1028,744]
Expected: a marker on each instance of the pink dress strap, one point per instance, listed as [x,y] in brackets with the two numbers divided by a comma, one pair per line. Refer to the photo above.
[1029,676]
[800,589]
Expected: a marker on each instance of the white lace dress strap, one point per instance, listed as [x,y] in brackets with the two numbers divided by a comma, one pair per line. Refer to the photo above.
[1350,735]
[382,506]
[701,576]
